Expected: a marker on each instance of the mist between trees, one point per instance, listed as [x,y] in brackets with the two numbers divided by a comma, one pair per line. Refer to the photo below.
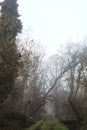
[34,86]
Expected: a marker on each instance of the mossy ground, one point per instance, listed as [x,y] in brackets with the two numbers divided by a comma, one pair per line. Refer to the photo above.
[48,123]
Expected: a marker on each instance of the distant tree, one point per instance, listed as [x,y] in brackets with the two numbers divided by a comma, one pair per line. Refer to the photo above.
[10,26]
[76,79]
[35,83]
[70,70]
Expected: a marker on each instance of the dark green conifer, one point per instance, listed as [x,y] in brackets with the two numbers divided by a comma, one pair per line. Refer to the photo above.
[10,26]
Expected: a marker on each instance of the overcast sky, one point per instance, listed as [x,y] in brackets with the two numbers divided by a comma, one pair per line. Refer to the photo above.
[54,22]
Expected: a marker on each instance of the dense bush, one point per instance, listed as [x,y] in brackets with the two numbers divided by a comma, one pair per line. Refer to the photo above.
[84,127]
[84,123]
[9,125]
[14,121]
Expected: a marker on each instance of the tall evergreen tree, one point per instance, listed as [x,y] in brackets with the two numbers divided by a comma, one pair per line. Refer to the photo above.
[10,26]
